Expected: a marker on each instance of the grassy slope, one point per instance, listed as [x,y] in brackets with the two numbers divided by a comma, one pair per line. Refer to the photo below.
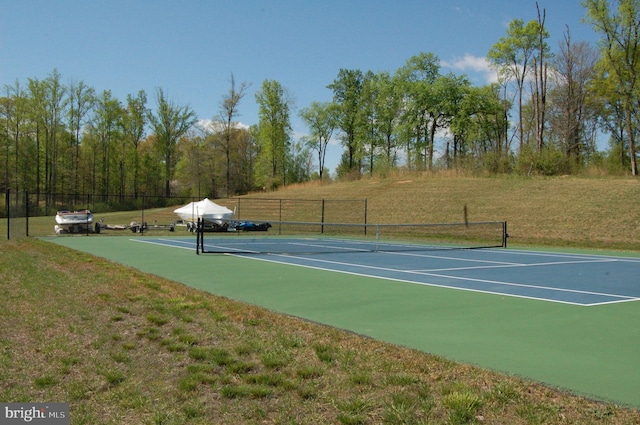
[124,347]
[564,211]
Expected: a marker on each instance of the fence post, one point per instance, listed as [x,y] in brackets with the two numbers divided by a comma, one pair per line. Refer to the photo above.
[8,200]
[322,218]
[26,211]
[365,216]
[144,205]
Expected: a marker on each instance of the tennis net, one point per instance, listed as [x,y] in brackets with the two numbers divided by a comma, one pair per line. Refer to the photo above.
[287,237]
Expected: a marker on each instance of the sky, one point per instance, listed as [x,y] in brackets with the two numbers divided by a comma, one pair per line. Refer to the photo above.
[190,49]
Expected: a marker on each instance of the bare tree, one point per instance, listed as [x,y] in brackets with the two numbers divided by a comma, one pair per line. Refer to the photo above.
[540,71]
[228,111]
[574,69]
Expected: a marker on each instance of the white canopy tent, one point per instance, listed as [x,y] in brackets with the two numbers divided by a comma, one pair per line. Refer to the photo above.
[206,210]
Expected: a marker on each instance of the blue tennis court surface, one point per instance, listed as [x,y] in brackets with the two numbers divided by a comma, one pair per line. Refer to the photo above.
[577,279]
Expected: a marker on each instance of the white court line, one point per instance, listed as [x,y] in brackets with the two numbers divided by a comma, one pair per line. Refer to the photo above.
[568,255]
[619,298]
[516,265]
[445,257]
[580,259]
[436,285]
[170,243]
[341,248]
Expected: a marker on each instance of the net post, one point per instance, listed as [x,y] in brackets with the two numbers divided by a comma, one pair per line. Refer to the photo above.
[198,237]
[505,235]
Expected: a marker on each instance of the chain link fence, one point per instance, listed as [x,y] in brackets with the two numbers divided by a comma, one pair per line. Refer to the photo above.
[32,214]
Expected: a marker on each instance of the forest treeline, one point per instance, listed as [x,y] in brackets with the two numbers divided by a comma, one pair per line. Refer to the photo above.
[541,116]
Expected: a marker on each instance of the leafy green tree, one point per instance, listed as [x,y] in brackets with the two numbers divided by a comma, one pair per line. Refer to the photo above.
[15,132]
[105,133]
[416,78]
[612,118]
[512,56]
[389,110]
[620,47]
[485,125]
[169,123]
[300,164]
[453,94]
[275,104]
[347,94]
[82,99]
[368,129]
[133,122]
[191,168]
[380,112]
[35,106]
[321,119]
[55,102]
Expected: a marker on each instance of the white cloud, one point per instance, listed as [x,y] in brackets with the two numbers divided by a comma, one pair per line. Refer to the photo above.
[214,126]
[475,65]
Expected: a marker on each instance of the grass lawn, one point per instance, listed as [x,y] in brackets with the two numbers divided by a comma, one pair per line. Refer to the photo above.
[122,346]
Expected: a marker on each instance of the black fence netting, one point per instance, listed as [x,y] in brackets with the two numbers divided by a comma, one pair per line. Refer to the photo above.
[316,210]
[36,214]
[15,214]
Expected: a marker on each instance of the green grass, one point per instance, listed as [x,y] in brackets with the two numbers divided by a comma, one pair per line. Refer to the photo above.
[229,363]
[116,343]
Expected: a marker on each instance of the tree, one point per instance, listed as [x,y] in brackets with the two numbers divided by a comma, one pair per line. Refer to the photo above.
[275,104]
[512,54]
[53,108]
[104,134]
[451,94]
[573,72]
[416,79]
[6,106]
[620,46]
[321,118]
[132,123]
[228,111]
[35,106]
[347,94]
[612,116]
[301,160]
[389,108]
[169,123]
[540,73]
[14,109]
[82,98]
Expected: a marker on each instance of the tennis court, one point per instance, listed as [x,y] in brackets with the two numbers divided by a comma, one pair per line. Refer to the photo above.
[567,319]
[566,278]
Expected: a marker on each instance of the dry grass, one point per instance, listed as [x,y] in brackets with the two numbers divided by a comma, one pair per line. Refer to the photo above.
[561,211]
[587,212]
[124,347]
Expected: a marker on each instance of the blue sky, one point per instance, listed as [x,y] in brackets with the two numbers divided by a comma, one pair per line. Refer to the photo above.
[190,48]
